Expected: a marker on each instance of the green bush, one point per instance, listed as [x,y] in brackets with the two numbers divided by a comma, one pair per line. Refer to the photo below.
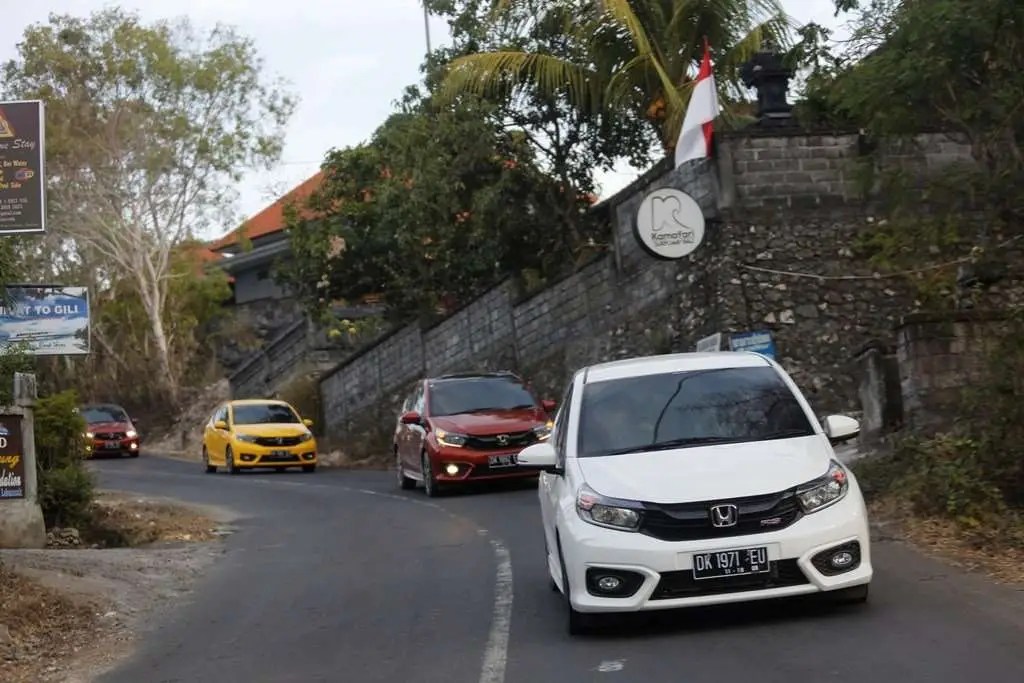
[65,486]
[973,473]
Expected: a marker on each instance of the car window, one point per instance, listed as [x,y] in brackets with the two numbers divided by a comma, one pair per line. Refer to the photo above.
[560,431]
[94,414]
[675,410]
[264,413]
[221,415]
[417,399]
[478,394]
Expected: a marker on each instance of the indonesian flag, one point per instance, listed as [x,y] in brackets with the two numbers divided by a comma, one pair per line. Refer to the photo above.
[695,137]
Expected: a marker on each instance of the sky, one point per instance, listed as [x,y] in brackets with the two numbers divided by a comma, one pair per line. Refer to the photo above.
[347,60]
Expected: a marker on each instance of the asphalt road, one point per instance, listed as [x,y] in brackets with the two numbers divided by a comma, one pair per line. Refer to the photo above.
[338,576]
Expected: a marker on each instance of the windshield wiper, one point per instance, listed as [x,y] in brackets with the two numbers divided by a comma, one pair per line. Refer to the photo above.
[785,434]
[673,443]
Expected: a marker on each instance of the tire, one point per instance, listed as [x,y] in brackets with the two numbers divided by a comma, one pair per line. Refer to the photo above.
[309,468]
[210,469]
[134,454]
[430,486]
[404,482]
[857,595]
[229,461]
[577,623]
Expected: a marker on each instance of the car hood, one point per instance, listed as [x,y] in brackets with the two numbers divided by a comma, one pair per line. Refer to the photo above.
[272,429]
[709,472]
[491,422]
[109,427]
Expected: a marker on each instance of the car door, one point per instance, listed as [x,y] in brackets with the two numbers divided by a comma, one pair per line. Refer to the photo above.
[220,436]
[552,487]
[209,434]
[417,434]
[403,431]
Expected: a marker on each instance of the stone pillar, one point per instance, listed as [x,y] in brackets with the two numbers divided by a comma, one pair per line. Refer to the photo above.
[879,390]
[21,517]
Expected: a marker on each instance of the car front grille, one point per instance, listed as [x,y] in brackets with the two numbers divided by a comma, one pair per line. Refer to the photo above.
[681,584]
[109,436]
[500,441]
[279,458]
[278,441]
[692,521]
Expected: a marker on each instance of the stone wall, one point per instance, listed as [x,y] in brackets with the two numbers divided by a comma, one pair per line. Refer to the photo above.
[783,212]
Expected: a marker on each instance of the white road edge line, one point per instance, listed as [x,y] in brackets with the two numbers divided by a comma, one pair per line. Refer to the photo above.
[496,652]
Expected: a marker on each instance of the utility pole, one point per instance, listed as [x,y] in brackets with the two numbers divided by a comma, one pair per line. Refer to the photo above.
[426,25]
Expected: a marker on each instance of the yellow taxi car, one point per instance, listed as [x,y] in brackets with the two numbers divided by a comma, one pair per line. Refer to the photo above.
[247,434]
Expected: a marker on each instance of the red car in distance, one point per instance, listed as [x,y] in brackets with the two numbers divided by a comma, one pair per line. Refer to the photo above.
[109,431]
[467,427]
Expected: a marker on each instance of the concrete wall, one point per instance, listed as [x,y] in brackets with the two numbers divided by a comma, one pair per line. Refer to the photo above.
[783,215]
[257,284]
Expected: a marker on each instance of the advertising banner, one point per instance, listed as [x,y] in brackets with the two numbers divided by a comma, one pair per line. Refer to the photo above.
[45,320]
[22,179]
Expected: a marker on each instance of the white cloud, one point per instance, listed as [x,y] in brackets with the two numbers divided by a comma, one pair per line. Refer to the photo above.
[348,61]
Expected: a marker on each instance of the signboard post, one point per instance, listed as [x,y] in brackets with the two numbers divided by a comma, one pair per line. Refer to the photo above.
[46,320]
[669,224]
[21,517]
[759,342]
[22,172]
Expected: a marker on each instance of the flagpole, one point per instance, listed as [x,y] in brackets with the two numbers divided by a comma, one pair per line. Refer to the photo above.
[426,25]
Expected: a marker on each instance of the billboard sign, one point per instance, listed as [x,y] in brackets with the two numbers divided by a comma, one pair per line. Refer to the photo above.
[758,342]
[45,320]
[22,178]
[12,458]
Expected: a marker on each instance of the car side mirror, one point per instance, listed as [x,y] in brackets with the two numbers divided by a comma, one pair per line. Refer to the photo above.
[411,418]
[840,428]
[548,405]
[134,421]
[220,424]
[307,422]
[539,456]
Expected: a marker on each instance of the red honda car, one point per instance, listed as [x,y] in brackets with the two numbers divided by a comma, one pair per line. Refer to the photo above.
[467,427]
[109,431]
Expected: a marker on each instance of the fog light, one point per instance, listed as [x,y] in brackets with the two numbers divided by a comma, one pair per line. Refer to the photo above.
[451,469]
[609,583]
[842,559]
[308,456]
[134,446]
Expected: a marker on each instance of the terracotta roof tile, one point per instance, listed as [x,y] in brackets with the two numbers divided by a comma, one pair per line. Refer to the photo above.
[270,219]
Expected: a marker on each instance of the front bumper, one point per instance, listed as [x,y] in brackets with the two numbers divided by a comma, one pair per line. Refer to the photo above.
[475,465]
[665,568]
[99,447]
[253,455]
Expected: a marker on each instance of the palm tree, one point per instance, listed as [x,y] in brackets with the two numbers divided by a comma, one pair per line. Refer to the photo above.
[639,55]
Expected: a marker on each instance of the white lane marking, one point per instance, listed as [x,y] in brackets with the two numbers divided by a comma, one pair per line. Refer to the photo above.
[496,652]
[612,665]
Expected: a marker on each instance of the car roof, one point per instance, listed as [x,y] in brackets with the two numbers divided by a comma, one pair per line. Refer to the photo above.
[85,406]
[674,362]
[501,374]
[256,402]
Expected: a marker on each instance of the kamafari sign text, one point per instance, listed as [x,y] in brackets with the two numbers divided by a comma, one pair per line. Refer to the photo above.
[22,180]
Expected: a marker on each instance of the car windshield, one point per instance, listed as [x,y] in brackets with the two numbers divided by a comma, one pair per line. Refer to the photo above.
[478,394]
[95,414]
[696,408]
[264,413]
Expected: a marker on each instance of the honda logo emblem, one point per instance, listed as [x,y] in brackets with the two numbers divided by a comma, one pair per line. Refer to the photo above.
[503,439]
[724,516]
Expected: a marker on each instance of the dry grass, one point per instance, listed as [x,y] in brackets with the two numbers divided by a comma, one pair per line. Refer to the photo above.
[131,521]
[44,626]
[945,539]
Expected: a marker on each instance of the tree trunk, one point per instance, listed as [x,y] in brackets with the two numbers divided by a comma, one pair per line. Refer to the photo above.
[151,302]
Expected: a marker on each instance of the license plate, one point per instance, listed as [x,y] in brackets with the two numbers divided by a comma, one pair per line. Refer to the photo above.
[280,454]
[508,460]
[731,563]
[112,444]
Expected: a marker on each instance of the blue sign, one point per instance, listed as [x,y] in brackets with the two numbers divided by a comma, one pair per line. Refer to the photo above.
[757,342]
[45,320]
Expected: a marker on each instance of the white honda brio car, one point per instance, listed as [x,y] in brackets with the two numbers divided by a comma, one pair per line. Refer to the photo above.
[696,479]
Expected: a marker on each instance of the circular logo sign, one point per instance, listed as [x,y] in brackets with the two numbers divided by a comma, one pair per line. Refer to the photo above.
[669,224]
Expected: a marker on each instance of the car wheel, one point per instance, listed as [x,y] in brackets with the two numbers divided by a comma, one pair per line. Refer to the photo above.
[430,486]
[309,468]
[134,454]
[404,482]
[851,596]
[210,469]
[578,623]
[229,460]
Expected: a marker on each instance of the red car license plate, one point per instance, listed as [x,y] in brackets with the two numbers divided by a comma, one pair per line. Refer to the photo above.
[112,444]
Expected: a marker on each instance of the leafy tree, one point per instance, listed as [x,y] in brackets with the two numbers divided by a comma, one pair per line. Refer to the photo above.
[439,205]
[626,58]
[148,127]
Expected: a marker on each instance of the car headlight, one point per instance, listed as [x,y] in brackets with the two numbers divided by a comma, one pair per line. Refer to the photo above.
[451,438]
[600,511]
[824,491]
[131,434]
[246,438]
[89,435]
[543,432]
[303,438]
